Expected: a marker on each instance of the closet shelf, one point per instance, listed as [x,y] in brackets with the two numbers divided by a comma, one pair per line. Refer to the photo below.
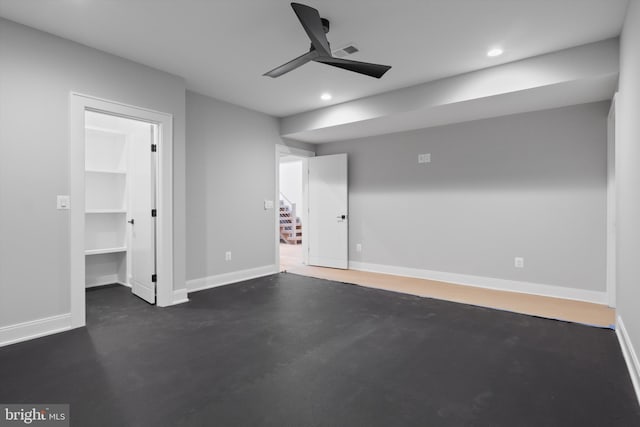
[105,211]
[107,171]
[105,250]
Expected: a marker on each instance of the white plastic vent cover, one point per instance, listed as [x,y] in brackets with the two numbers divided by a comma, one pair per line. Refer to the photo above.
[347,50]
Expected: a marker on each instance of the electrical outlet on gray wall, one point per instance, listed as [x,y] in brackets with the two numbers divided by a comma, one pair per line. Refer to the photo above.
[424,158]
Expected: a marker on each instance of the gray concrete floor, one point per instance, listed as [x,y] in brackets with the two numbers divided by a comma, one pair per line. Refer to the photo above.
[287,350]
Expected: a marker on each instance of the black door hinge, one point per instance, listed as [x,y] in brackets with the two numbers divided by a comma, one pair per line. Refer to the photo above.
[154,278]
[154,148]
[153,213]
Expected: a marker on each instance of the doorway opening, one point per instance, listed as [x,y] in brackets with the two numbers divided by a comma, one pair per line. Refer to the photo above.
[121,200]
[291,209]
[324,217]
[120,203]
[291,217]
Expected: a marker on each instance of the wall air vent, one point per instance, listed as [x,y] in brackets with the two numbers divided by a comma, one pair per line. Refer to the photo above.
[348,49]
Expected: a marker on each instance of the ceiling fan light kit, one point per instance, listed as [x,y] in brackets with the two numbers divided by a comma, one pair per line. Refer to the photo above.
[316,29]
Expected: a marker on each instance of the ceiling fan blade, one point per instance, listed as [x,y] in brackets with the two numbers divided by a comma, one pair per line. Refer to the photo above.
[373,70]
[310,20]
[292,65]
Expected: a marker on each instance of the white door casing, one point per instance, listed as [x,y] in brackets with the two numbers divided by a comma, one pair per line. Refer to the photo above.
[611,204]
[79,103]
[283,150]
[328,230]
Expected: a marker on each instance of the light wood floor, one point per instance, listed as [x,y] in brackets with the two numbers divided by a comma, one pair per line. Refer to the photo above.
[553,308]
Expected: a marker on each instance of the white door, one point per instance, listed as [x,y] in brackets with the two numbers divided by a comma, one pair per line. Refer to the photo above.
[141,223]
[328,230]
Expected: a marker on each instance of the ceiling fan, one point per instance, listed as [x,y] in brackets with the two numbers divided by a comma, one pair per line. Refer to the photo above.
[320,51]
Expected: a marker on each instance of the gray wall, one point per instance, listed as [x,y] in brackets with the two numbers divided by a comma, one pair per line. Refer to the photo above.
[530,185]
[37,73]
[628,176]
[230,172]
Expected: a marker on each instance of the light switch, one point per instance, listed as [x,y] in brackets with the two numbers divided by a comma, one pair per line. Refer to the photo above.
[63,202]
[268,204]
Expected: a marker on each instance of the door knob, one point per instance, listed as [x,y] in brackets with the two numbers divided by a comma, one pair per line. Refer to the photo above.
[343,217]
[130,221]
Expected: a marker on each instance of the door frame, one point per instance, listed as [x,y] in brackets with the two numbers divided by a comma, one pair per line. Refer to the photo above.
[283,150]
[611,204]
[79,103]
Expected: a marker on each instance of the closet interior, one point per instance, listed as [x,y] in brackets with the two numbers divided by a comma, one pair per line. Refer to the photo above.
[119,175]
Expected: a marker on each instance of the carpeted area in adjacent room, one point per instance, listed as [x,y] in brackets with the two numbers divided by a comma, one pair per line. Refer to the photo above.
[287,350]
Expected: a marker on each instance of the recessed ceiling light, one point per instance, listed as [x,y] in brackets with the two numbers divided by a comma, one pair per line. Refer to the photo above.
[325,96]
[495,52]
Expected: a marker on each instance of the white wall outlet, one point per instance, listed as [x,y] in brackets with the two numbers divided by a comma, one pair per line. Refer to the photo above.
[518,262]
[358,247]
[424,158]
[63,202]
[268,204]
[227,256]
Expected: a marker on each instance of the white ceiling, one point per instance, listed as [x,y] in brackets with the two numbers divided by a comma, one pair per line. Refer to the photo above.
[222,47]
[577,75]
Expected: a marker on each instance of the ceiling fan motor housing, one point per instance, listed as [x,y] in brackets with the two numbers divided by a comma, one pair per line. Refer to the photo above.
[325,25]
[317,28]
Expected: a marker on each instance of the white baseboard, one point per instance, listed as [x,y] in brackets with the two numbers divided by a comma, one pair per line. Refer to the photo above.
[630,355]
[117,282]
[228,278]
[102,280]
[34,329]
[486,282]
[180,296]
